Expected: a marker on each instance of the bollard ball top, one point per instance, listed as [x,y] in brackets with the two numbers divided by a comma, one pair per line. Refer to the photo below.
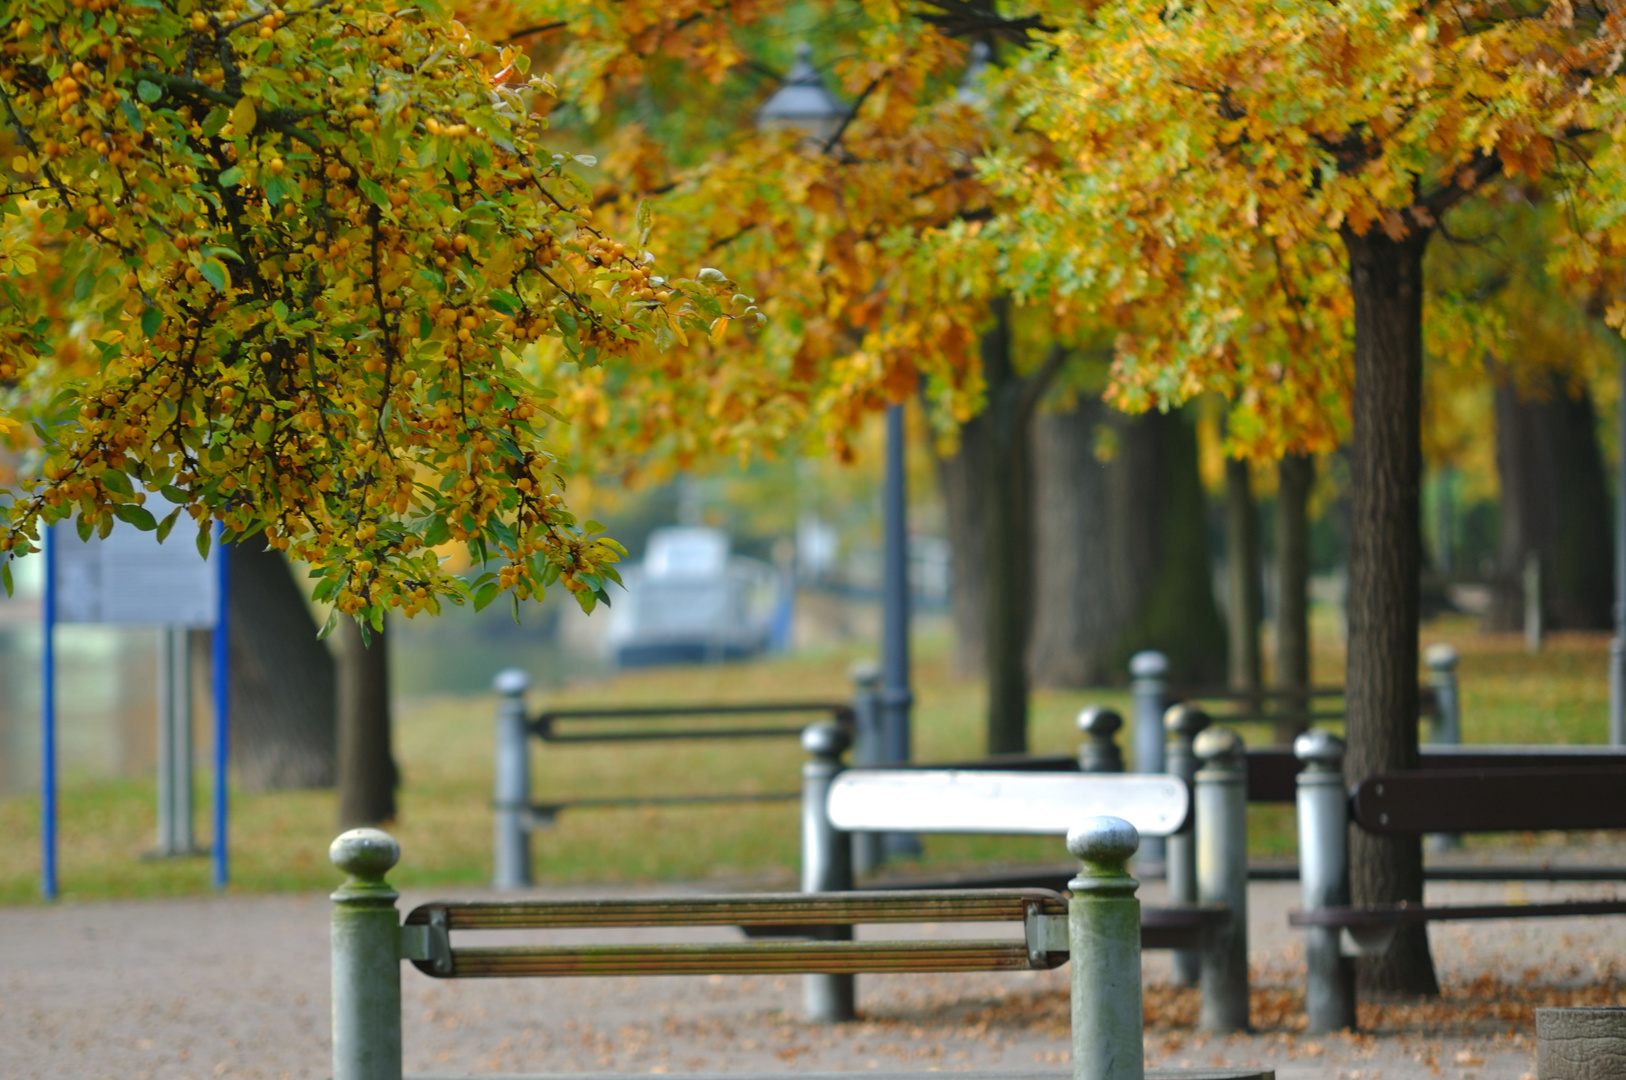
[826,738]
[1440,657]
[1217,744]
[364,853]
[1319,747]
[866,673]
[1149,664]
[1187,720]
[1099,720]
[512,681]
[1103,841]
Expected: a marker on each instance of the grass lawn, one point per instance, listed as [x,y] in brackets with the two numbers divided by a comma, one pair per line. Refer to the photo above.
[279,841]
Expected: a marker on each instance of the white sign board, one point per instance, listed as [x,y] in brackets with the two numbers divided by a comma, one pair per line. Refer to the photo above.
[1001,803]
[130,579]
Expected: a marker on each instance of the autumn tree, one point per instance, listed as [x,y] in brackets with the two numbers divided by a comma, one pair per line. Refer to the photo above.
[1225,164]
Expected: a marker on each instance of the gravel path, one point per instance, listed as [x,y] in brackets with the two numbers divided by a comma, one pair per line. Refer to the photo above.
[237,987]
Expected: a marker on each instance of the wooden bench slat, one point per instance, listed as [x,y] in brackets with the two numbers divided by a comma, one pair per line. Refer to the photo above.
[1491,800]
[757,909]
[1396,914]
[784,958]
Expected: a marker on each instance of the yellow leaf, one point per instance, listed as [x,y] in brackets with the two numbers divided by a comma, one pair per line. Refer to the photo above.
[243,117]
[718,329]
[20,164]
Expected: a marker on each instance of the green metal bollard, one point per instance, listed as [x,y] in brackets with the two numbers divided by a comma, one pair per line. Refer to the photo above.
[1222,877]
[366,959]
[1103,930]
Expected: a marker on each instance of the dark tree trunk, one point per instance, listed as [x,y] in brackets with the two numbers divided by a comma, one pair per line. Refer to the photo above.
[962,478]
[1386,281]
[281,676]
[1555,504]
[1162,561]
[1294,477]
[1242,581]
[1077,617]
[367,773]
[1007,525]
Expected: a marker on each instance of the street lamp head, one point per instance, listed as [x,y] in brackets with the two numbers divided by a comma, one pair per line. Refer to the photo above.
[802,103]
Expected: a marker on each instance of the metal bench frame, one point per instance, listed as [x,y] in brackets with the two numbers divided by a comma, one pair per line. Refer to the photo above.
[1098,929]
[1421,801]
[1209,933]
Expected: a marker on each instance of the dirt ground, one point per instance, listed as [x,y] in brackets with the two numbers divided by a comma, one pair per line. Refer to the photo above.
[238,987]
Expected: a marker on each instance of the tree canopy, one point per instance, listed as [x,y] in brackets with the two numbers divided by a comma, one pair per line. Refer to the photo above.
[279,265]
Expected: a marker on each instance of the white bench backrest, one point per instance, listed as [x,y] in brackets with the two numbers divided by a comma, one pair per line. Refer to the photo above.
[966,801]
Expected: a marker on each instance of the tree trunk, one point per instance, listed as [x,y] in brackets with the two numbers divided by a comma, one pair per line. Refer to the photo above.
[281,678]
[1294,478]
[1162,562]
[962,479]
[1076,619]
[1007,539]
[367,773]
[1555,504]
[1386,281]
[1242,581]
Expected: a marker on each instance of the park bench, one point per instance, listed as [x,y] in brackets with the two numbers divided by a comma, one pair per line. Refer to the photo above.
[1428,800]
[1097,930]
[1203,816]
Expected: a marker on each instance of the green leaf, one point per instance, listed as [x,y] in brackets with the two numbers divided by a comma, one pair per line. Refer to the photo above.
[5,578]
[173,494]
[151,320]
[203,537]
[485,595]
[149,91]
[276,189]
[232,176]
[167,524]
[214,122]
[214,272]
[139,516]
[132,115]
[646,221]
[117,481]
[375,192]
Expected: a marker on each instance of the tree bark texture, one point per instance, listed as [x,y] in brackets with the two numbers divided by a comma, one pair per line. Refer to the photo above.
[281,681]
[1007,538]
[1158,502]
[962,478]
[1295,475]
[1555,504]
[1242,614]
[367,772]
[1077,604]
[1386,281]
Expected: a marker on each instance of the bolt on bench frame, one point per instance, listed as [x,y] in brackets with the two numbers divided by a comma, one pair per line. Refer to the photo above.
[1098,929]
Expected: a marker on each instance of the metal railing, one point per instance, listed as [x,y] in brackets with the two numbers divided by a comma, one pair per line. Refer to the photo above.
[516,812]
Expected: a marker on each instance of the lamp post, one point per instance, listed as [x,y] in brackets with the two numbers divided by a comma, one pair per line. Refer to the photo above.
[803,103]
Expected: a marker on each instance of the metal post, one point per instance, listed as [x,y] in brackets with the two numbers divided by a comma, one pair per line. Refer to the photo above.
[1532,602]
[896,696]
[1184,723]
[826,865]
[1148,672]
[220,685]
[1103,932]
[1323,812]
[1446,728]
[868,853]
[1222,877]
[1617,647]
[366,959]
[511,799]
[174,743]
[48,796]
[1099,752]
